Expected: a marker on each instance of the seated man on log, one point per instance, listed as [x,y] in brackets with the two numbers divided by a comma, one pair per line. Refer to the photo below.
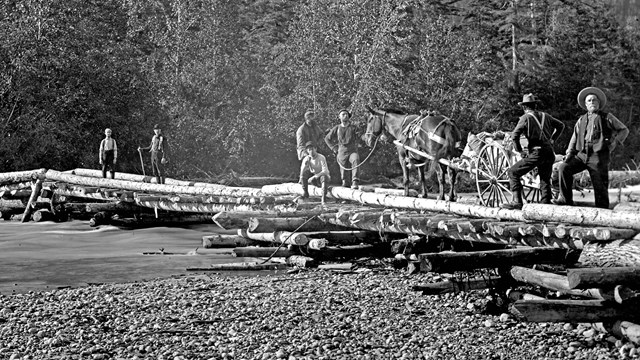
[541,130]
[314,169]
[594,138]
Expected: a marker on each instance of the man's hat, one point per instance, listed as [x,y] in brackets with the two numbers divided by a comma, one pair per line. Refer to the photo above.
[582,95]
[344,110]
[309,113]
[309,144]
[156,127]
[528,99]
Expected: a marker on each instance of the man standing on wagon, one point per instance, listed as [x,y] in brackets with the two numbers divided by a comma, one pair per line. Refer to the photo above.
[541,131]
[595,136]
[343,141]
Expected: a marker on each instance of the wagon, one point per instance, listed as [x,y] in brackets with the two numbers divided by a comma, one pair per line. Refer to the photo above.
[488,157]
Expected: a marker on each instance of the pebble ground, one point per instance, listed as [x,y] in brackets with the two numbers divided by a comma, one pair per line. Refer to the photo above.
[313,314]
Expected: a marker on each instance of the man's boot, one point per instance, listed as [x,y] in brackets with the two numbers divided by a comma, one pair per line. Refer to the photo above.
[345,183]
[516,202]
[354,184]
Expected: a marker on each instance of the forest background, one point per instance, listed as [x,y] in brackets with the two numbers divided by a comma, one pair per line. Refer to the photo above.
[230,80]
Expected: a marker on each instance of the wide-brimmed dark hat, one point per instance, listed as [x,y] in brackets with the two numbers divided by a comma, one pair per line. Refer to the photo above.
[529,99]
[156,127]
[344,110]
[582,95]
[309,144]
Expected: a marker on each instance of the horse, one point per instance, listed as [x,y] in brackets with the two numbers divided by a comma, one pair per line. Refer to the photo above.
[434,134]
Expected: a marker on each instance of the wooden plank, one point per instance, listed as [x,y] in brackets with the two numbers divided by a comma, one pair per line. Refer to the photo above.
[576,311]
[449,286]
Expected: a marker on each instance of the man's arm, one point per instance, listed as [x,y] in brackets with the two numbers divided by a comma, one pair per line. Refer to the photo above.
[330,139]
[557,126]
[517,132]
[619,131]
[571,149]
[300,143]
[115,151]
[101,151]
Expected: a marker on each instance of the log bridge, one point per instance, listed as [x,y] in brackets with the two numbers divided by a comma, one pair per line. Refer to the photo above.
[594,253]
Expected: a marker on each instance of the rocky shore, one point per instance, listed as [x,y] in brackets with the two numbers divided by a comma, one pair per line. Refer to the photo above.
[367,314]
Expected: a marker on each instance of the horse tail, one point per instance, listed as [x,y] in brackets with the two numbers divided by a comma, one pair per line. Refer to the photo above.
[446,142]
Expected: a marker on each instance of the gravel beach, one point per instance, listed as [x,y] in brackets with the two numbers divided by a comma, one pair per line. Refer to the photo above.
[314,314]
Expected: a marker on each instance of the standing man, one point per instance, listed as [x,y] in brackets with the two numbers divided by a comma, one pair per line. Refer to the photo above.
[314,169]
[308,131]
[108,154]
[541,131]
[342,140]
[159,151]
[595,136]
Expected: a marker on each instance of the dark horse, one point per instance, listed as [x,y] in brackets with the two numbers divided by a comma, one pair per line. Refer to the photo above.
[434,134]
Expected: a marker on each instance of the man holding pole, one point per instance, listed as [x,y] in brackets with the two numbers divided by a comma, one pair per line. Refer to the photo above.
[159,150]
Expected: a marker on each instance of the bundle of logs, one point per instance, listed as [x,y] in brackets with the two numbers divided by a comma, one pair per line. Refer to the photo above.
[590,256]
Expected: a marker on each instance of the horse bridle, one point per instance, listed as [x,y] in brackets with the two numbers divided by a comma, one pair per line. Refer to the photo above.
[384,115]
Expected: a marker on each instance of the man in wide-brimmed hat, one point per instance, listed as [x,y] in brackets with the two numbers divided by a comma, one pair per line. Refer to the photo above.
[595,136]
[308,131]
[541,131]
[342,139]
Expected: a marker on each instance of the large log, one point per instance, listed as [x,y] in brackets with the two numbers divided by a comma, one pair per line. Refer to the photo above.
[584,278]
[148,221]
[582,216]
[350,252]
[574,311]
[240,267]
[283,237]
[449,286]
[21,176]
[448,262]
[130,177]
[15,194]
[35,191]
[225,241]
[403,202]
[240,219]
[200,207]
[616,253]
[555,282]
[298,224]
[147,187]
[117,206]
[256,251]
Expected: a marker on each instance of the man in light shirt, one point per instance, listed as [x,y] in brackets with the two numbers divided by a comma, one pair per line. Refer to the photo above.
[595,136]
[314,169]
[108,154]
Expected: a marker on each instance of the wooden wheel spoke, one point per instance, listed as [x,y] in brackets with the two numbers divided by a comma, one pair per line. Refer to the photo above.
[503,187]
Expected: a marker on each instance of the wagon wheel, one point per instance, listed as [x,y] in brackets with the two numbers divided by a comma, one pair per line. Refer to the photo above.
[531,187]
[492,180]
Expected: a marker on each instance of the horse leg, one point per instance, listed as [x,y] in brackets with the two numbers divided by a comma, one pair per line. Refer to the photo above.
[440,173]
[423,182]
[405,175]
[452,181]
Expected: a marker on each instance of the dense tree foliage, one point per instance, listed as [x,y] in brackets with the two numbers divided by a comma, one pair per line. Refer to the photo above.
[229,80]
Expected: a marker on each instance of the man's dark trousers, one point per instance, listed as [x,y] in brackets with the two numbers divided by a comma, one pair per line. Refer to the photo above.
[540,157]
[597,163]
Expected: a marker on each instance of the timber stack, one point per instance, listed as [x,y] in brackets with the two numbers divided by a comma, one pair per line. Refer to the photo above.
[550,263]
